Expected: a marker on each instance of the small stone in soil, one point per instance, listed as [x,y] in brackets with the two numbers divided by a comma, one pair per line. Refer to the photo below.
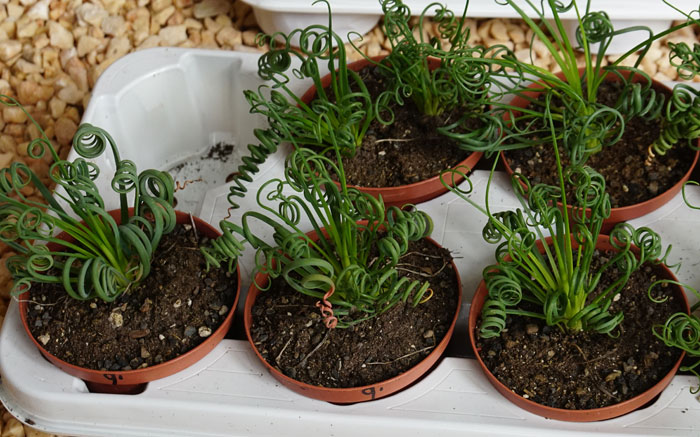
[146,307]
[139,333]
[190,331]
[44,339]
[613,375]
[653,187]
[532,328]
[223,310]
[116,320]
[204,331]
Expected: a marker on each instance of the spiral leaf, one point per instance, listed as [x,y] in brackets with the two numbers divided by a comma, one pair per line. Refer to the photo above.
[100,259]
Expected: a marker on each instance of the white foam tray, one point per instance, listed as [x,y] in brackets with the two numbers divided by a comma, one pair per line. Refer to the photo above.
[165,106]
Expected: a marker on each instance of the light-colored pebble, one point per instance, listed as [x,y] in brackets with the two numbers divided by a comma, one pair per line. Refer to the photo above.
[9,49]
[29,93]
[40,10]
[211,8]
[113,6]
[86,44]
[70,94]
[60,36]
[26,27]
[65,129]
[13,114]
[6,158]
[114,25]
[27,67]
[159,5]
[14,10]
[173,35]
[13,428]
[150,42]
[118,47]
[91,13]
[499,31]
[228,36]
[163,16]
[78,72]
[56,106]
[141,29]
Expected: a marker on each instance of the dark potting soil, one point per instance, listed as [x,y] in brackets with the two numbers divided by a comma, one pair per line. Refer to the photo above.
[407,151]
[288,331]
[587,370]
[169,313]
[628,179]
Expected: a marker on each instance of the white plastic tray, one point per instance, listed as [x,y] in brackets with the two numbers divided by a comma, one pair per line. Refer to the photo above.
[361,15]
[165,106]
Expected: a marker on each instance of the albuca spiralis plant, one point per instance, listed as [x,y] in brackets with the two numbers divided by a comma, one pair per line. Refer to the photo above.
[343,109]
[585,125]
[440,77]
[462,79]
[555,280]
[102,258]
[351,267]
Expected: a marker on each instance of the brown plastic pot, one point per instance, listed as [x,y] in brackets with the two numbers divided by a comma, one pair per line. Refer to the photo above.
[591,415]
[623,213]
[352,394]
[412,193]
[134,381]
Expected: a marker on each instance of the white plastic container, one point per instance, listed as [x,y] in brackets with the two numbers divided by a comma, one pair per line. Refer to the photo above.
[361,15]
[167,106]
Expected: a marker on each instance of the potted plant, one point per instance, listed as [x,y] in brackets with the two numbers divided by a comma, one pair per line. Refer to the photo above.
[613,118]
[401,119]
[117,298]
[354,310]
[561,324]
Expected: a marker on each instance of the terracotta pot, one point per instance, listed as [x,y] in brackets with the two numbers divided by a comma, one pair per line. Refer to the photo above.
[352,394]
[134,381]
[623,213]
[412,193]
[591,415]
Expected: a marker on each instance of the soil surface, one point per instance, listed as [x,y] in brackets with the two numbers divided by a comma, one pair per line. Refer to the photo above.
[587,370]
[407,151]
[288,331]
[173,310]
[628,180]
